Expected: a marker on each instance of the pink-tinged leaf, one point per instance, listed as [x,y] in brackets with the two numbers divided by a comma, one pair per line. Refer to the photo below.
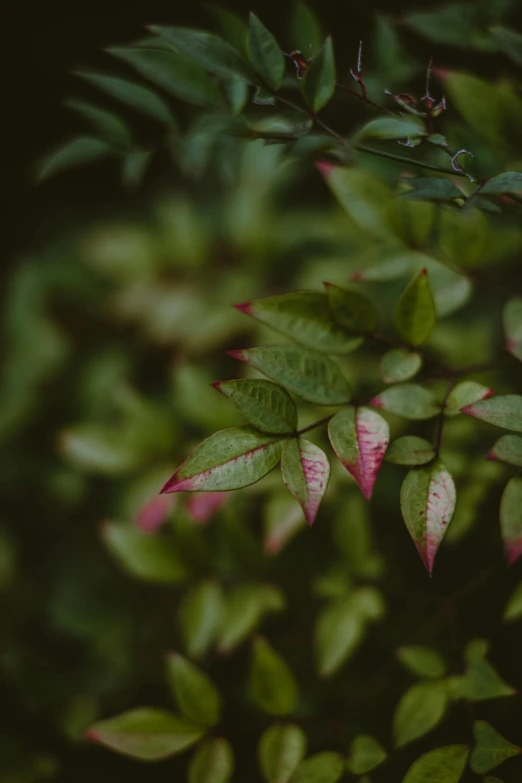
[508,449]
[466,393]
[511,519]
[512,317]
[324,167]
[230,459]
[306,471]
[503,410]
[428,499]
[360,437]
[202,506]
[154,514]
[283,519]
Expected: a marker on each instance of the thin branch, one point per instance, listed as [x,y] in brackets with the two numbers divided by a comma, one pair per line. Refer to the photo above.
[315,425]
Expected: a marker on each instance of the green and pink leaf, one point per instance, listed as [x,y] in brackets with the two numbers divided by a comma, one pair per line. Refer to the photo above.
[306,472]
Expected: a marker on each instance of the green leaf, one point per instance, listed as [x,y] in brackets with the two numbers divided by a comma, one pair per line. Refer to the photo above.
[152,558]
[509,182]
[236,91]
[308,374]
[265,53]
[78,152]
[319,81]
[131,94]
[265,404]
[134,167]
[353,310]
[306,33]
[513,610]
[230,459]
[442,765]
[490,748]
[272,686]
[200,616]
[360,437]
[107,124]
[365,755]
[145,733]
[207,50]
[501,410]
[282,521]
[306,472]
[399,365]
[513,326]
[408,400]
[176,75]
[245,607]
[479,102]
[481,682]
[431,189]
[422,661]
[410,450]
[509,42]
[197,697]
[365,198]
[213,762]
[233,28]
[324,767]
[338,632]
[281,748]
[511,519]
[415,314]
[304,317]
[391,127]
[428,498]
[465,393]
[421,708]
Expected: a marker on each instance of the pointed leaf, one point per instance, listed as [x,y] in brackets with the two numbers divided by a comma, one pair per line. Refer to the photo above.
[229,459]
[282,521]
[308,374]
[144,556]
[410,450]
[509,41]
[107,124]
[508,449]
[490,749]
[146,733]
[408,400]
[415,313]
[481,682]
[271,683]
[304,317]
[236,91]
[354,311]
[339,631]
[442,765]
[306,30]
[245,607]
[199,617]
[196,695]
[266,405]
[513,327]
[360,437]
[306,471]
[324,767]
[207,50]
[422,661]
[509,182]
[365,198]
[466,393]
[265,53]
[134,167]
[421,708]
[319,81]
[213,761]
[78,152]
[391,127]
[502,410]
[131,94]
[281,748]
[511,519]
[513,610]
[365,755]
[428,498]
[431,189]
[399,365]
[176,75]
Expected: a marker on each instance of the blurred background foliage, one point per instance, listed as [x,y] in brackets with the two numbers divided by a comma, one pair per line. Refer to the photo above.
[118,316]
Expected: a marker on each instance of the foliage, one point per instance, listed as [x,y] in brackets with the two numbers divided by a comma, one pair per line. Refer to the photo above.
[293,647]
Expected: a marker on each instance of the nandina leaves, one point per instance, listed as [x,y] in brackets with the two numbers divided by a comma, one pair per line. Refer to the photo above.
[306,471]
[360,437]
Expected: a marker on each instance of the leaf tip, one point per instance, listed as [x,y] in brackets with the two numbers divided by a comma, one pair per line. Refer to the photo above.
[376,401]
[357,275]
[513,550]
[91,735]
[324,167]
[244,307]
[217,385]
[237,354]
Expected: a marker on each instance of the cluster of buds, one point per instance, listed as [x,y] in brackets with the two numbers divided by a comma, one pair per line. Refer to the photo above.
[300,62]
